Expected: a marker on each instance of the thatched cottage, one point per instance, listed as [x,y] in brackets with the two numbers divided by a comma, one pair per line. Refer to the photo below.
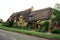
[30,15]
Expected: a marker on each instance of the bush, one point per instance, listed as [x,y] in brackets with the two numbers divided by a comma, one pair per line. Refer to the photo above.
[43,27]
[46,25]
[1,21]
[9,24]
[55,31]
[28,27]
[14,24]
[38,30]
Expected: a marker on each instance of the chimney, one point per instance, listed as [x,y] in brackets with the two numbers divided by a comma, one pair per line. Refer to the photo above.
[32,8]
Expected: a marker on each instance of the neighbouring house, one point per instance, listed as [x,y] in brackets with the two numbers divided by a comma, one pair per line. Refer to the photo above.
[31,16]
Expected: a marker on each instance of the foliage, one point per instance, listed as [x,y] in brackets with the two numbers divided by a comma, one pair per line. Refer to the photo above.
[26,27]
[1,20]
[57,18]
[46,25]
[55,12]
[14,25]
[9,24]
[3,23]
[43,27]
[30,25]
[38,30]
[56,31]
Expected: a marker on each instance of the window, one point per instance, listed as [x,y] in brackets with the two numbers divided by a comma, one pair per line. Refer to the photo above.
[31,17]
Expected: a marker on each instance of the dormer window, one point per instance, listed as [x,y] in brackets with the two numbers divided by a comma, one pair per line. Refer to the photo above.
[30,17]
[21,16]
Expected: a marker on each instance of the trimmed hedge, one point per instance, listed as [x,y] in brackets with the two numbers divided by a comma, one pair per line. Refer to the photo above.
[55,31]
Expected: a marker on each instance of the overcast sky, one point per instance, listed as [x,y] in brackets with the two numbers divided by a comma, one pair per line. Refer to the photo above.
[7,7]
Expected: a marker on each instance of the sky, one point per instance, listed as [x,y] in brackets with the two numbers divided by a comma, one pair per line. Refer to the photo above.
[7,7]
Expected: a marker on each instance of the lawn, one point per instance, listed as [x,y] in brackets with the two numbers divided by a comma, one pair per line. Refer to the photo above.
[39,34]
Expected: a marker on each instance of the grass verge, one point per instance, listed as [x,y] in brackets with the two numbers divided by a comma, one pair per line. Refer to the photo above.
[39,34]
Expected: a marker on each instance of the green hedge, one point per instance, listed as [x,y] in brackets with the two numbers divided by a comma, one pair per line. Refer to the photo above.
[55,31]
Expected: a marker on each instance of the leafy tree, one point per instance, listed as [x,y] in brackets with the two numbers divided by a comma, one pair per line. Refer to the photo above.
[55,12]
[56,19]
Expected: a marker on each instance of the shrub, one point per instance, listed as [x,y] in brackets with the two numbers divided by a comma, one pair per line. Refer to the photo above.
[3,23]
[55,31]
[14,25]
[28,27]
[9,24]
[43,27]
[46,26]
[38,30]
[1,20]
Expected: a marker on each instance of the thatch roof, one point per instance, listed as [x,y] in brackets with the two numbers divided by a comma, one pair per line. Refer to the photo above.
[41,14]
[35,15]
[25,14]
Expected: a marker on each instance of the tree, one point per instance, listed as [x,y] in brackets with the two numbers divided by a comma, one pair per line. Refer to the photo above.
[57,14]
